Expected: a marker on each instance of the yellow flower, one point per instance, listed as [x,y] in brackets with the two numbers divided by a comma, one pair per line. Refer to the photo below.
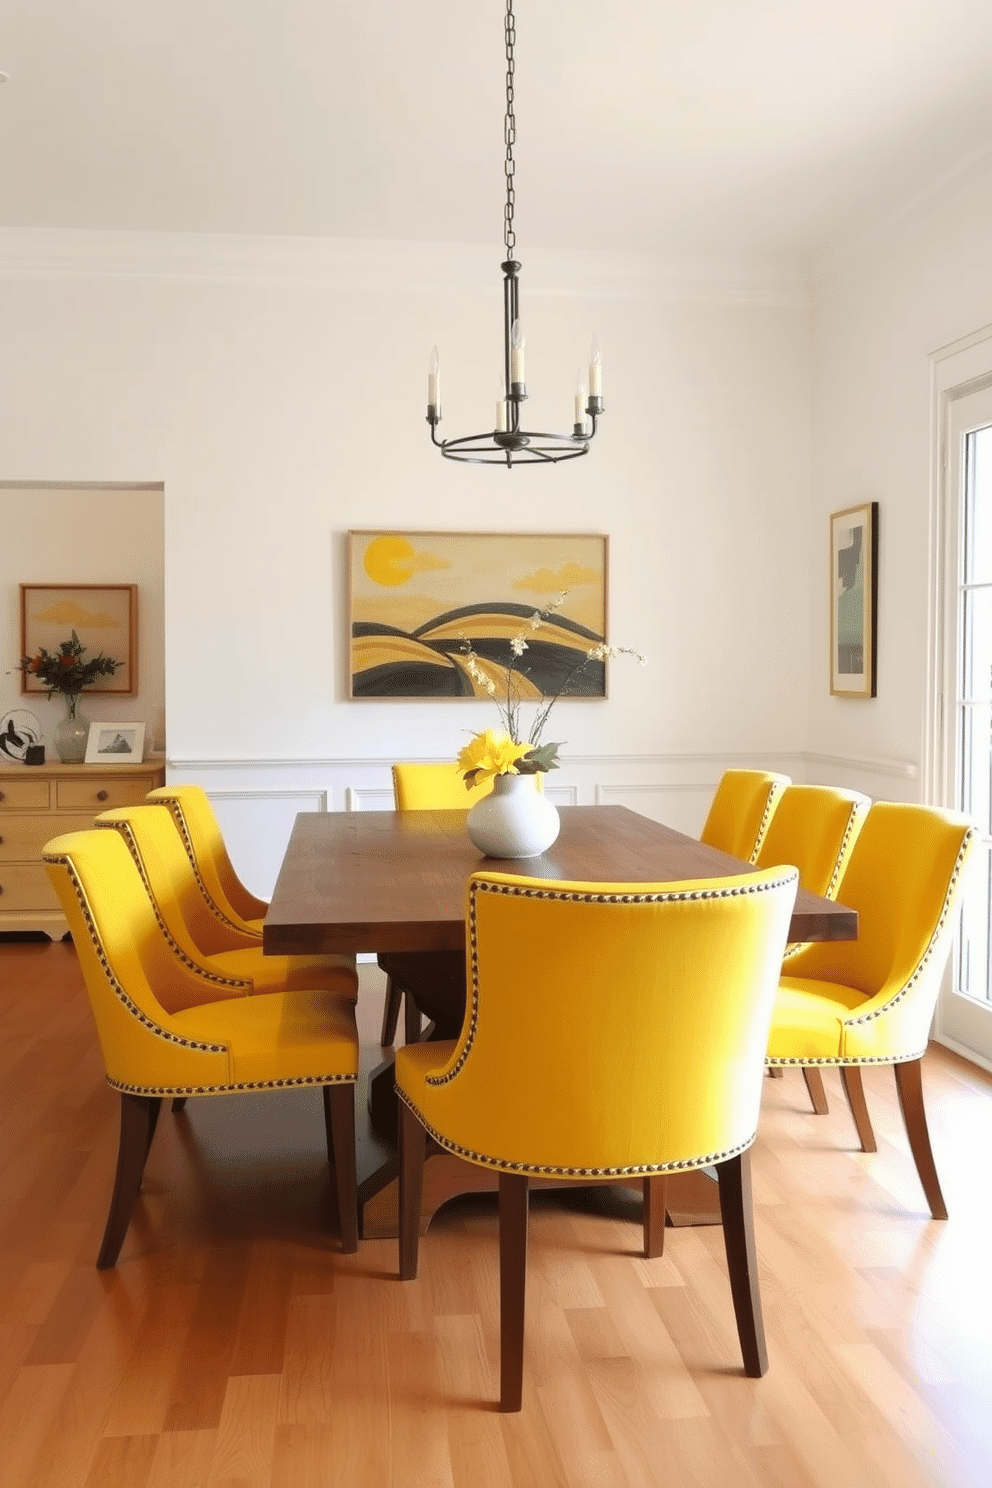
[489,754]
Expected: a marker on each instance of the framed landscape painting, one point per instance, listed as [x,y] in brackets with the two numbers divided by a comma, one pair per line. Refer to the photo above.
[854,601]
[104,617]
[421,604]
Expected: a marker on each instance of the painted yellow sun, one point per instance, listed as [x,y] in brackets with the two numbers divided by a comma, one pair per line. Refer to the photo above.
[389,561]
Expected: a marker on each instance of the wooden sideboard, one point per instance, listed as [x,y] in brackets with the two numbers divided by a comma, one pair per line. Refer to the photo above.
[42,801]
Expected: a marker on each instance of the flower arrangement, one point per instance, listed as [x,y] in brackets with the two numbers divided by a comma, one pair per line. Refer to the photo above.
[505,751]
[64,671]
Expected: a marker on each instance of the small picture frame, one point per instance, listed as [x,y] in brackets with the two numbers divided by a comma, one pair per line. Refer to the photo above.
[854,601]
[115,743]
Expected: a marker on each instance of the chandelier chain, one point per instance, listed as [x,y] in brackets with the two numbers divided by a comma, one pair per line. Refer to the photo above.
[509,133]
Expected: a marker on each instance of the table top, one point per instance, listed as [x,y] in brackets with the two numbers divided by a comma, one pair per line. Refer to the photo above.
[395,880]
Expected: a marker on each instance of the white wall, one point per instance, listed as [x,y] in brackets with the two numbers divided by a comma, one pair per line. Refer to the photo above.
[878,318]
[278,391]
[85,536]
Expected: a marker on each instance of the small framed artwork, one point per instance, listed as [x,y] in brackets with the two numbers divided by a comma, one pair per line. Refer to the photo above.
[450,614]
[103,616]
[854,601]
[115,743]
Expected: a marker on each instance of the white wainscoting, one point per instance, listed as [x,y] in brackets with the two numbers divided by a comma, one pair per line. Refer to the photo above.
[257,800]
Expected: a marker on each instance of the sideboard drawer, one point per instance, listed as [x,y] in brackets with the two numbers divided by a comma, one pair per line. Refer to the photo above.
[25,886]
[101,794]
[23,837]
[24,795]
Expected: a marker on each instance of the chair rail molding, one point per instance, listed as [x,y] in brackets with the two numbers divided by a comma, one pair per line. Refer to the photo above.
[257,800]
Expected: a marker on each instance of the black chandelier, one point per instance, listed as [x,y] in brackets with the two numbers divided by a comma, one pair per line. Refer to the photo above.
[507,443]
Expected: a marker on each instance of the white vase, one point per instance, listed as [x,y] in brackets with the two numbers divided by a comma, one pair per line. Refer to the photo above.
[515,821]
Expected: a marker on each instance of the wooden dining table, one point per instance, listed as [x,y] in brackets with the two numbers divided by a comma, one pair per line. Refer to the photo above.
[393,883]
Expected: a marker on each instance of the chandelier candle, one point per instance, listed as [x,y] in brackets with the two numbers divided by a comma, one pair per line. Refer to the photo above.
[507,443]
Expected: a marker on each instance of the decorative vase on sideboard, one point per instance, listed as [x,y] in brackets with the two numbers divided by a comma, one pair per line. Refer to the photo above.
[515,821]
[71,734]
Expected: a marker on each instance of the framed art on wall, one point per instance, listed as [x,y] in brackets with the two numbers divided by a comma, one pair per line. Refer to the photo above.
[424,604]
[854,601]
[103,616]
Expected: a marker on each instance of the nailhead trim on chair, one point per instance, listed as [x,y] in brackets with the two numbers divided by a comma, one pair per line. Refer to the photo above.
[116,988]
[775,790]
[573,896]
[637,1170]
[842,853]
[236,1089]
[178,816]
[124,830]
[839,1059]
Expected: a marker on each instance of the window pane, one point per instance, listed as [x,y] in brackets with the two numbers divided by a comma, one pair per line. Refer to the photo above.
[972,960]
[976,675]
[978,540]
[976,766]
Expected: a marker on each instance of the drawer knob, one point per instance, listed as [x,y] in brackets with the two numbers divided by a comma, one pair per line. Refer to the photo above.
[101,795]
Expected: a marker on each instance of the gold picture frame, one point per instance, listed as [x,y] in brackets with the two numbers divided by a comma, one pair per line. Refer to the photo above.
[854,601]
[105,618]
[417,599]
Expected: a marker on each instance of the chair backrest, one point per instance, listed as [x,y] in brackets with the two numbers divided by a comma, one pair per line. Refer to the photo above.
[204,845]
[741,809]
[434,787]
[814,827]
[128,967]
[625,1024]
[189,916]
[904,878]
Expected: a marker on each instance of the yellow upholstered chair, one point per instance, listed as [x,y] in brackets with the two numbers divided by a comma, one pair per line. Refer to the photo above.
[272,1041]
[814,827]
[196,933]
[657,1068]
[204,845]
[434,787]
[422,787]
[871,1000]
[741,810]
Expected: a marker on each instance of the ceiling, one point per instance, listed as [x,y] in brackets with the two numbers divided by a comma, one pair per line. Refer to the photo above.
[662,126]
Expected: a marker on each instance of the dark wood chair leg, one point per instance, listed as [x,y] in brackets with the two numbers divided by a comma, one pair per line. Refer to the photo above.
[775,1072]
[817,1094]
[909,1085]
[178,1104]
[339,1123]
[412,1023]
[391,1012]
[513,1198]
[413,1149]
[855,1091]
[654,1216]
[738,1236]
[138,1116]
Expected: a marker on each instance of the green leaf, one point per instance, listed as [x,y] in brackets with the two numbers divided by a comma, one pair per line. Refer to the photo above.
[536,761]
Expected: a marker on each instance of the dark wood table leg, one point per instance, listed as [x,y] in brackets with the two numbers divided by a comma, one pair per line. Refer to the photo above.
[435,983]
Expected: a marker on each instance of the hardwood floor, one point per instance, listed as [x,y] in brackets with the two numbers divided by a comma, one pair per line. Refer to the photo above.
[233,1347]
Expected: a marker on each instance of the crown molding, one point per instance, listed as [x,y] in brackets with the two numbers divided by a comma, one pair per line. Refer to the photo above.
[867,240]
[428,268]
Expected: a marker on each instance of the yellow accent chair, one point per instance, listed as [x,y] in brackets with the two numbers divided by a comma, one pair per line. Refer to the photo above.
[871,1000]
[203,842]
[422,787]
[196,934]
[657,1069]
[814,828]
[272,1041]
[742,808]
